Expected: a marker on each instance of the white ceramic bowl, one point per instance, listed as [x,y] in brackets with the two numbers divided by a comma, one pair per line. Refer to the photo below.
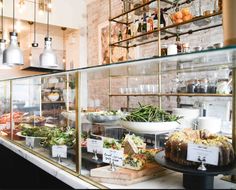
[149,127]
[212,124]
[189,116]
[53,97]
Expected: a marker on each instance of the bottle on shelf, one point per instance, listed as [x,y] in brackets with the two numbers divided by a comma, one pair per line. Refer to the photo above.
[162,22]
[150,23]
[144,28]
[128,32]
[135,27]
[120,36]
[139,30]
[155,24]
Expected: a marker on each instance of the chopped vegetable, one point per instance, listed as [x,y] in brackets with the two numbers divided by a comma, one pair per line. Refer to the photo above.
[149,113]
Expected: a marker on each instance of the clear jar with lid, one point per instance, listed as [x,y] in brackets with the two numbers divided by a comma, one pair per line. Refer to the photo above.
[191,85]
[203,83]
[222,86]
[164,50]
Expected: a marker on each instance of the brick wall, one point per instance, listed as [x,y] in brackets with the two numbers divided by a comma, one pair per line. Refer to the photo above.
[98,13]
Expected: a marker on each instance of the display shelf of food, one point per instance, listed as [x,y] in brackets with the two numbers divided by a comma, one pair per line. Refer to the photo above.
[95,99]
[176,94]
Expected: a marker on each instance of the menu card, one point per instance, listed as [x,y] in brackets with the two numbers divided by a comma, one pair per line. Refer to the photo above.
[29,141]
[111,155]
[203,153]
[59,151]
[94,146]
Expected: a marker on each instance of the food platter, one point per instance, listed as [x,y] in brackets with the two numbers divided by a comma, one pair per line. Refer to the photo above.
[149,127]
[23,136]
[95,118]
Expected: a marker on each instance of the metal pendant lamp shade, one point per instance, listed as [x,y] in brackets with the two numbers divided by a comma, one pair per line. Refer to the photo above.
[2,48]
[13,55]
[2,43]
[48,58]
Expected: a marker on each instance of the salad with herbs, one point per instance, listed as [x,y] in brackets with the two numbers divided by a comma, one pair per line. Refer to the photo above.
[60,137]
[111,143]
[150,113]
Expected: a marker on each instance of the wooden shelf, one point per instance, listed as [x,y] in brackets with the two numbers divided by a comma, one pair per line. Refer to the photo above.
[138,7]
[176,94]
[56,102]
[154,39]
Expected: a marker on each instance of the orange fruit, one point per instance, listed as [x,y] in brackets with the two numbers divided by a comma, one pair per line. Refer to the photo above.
[178,21]
[179,15]
[187,17]
[185,11]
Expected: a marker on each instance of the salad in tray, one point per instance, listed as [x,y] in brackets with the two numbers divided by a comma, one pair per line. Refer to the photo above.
[104,116]
[150,113]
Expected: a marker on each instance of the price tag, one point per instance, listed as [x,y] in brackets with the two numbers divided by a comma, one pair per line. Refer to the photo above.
[94,145]
[29,141]
[197,152]
[59,151]
[8,125]
[111,155]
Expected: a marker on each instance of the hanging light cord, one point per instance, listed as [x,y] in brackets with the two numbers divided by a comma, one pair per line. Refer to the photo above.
[48,24]
[2,20]
[35,21]
[13,15]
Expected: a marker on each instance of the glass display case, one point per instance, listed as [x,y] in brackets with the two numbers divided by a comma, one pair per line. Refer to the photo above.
[133,107]
[36,115]
[106,124]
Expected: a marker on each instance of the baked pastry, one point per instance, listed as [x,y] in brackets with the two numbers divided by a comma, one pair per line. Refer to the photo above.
[177,145]
[134,161]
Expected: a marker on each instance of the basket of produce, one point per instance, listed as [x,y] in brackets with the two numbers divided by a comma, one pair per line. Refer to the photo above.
[150,119]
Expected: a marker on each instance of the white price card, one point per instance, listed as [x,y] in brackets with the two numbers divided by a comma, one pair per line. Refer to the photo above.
[94,146]
[59,151]
[8,125]
[209,154]
[29,141]
[111,155]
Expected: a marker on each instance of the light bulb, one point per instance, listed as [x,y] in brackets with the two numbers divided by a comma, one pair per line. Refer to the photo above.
[1,4]
[64,60]
[49,5]
[41,12]
[30,56]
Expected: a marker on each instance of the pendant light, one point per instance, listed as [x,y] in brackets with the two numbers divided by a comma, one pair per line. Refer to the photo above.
[13,55]
[2,41]
[48,57]
[35,44]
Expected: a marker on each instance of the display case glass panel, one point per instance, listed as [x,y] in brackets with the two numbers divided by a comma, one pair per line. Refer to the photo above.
[119,136]
[5,109]
[44,125]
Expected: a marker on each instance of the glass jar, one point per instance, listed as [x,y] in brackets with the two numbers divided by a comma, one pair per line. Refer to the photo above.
[223,87]
[203,85]
[164,50]
[191,85]
[211,88]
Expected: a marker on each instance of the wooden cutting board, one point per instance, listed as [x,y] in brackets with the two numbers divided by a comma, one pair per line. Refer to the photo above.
[125,176]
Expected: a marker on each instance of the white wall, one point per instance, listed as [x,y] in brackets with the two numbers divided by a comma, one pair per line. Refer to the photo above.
[68,13]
